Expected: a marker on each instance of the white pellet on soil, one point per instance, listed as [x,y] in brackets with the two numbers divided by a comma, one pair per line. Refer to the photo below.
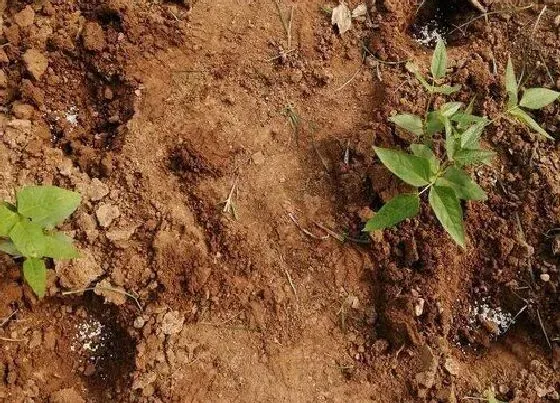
[428,35]
[482,311]
[90,337]
[72,116]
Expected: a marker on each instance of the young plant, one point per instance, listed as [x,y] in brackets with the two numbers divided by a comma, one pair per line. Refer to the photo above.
[27,230]
[439,67]
[533,98]
[442,177]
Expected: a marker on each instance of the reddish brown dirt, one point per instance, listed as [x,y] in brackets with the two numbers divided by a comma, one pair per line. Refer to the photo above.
[153,110]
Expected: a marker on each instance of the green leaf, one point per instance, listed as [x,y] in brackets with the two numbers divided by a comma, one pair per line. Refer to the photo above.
[511,85]
[446,89]
[8,218]
[450,140]
[439,60]
[413,170]
[537,98]
[528,121]
[464,120]
[470,107]
[28,238]
[399,208]
[35,274]
[471,137]
[7,246]
[421,150]
[468,156]
[450,108]
[462,184]
[412,123]
[434,123]
[46,205]
[59,246]
[448,211]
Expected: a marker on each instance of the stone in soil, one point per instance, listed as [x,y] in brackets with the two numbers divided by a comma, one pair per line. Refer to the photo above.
[94,37]
[78,273]
[106,213]
[172,323]
[25,17]
[35,62]
[66,396]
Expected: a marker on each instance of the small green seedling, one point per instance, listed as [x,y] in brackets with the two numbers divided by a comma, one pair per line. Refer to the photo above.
[27,230]
[533,98]
[439,67]
[443,177]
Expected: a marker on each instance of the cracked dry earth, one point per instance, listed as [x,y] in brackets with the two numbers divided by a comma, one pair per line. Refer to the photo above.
[159,111]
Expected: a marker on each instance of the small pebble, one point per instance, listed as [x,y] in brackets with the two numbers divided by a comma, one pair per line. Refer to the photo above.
[545,277]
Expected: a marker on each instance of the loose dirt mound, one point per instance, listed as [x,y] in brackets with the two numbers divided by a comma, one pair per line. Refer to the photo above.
[162,114]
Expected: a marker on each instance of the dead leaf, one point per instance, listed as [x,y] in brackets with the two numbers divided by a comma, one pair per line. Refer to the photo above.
[342,18]
[113,295]
[359,11]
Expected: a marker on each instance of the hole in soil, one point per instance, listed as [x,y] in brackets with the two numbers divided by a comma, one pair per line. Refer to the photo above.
[184,161]
[439,19]
[105,350]
[103,14]
[184,3]
[89,118]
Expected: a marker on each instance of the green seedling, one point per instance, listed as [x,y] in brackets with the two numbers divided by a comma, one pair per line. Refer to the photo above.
[27,230]
[438,70]
[533,99]
[443,178]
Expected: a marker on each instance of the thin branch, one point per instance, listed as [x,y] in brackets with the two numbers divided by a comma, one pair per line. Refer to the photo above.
[543,329]
[382,61]
[290,281]
[350,79]
[12,340]
[118,291]
[305,231]
[539,19]
[486,15]
[8,318]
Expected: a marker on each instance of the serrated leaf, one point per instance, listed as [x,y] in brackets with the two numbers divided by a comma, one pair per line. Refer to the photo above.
[8,218]
[7,246]
[465,188]
[450,108]
[35,274]
[439,60]
[471,137]
[397,209]
[448,211]
[450,140]
[537,98]
[46,205]
[467,156]
[511,85]
[59,246]
[421,150]
[413,170]
[411,123]
[434,123]
[528,121]
[28,238]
